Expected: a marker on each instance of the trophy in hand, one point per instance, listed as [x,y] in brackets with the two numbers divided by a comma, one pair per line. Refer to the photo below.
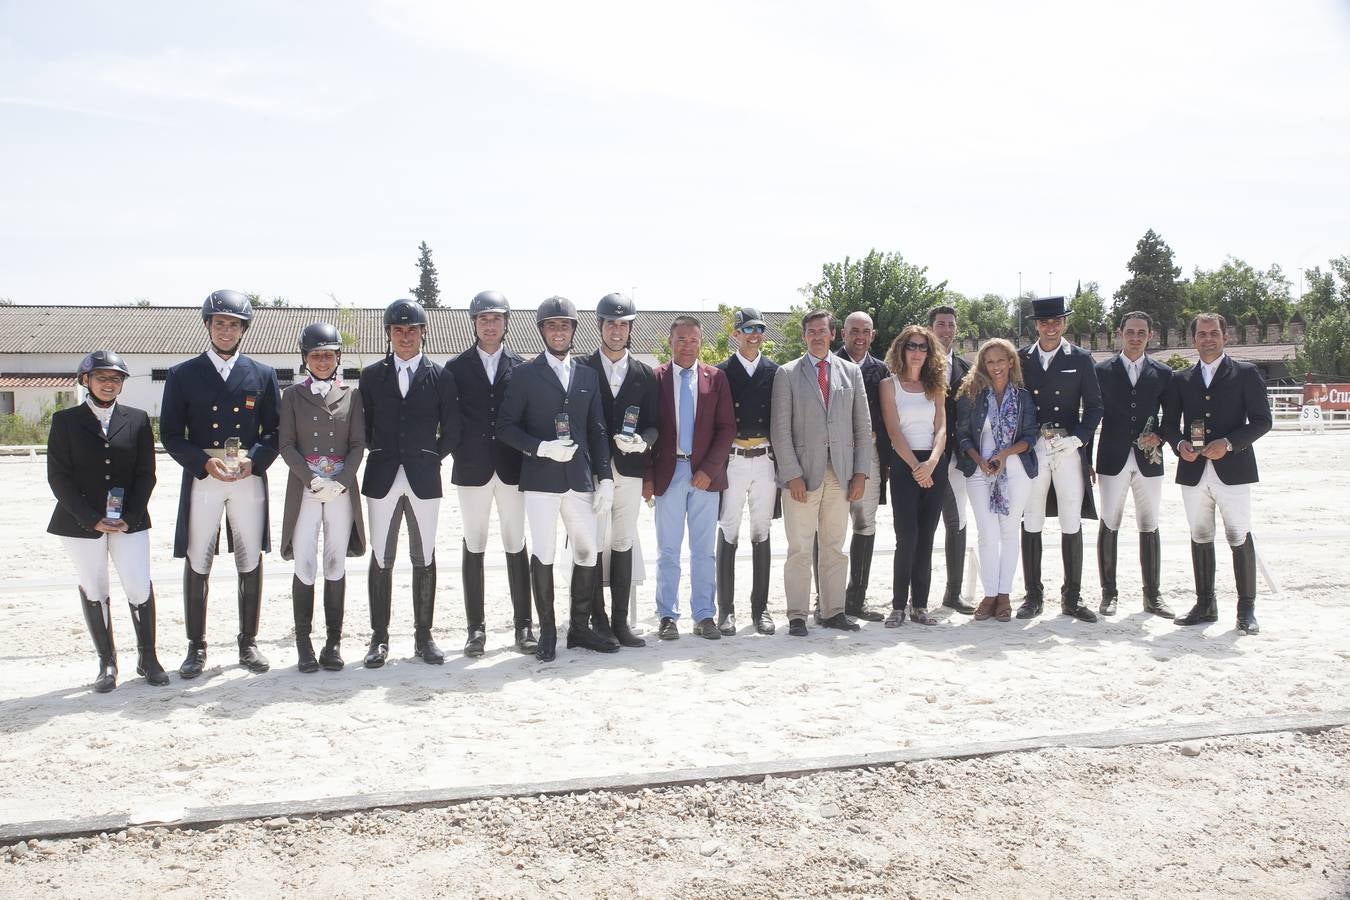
[1198,435]
[1152,454]
[630,421]
[562,426]
[232,457]
[113,513]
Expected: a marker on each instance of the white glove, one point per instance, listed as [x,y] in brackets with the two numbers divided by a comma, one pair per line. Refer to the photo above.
[326,490]
[603,498]
[558,451]
[1066,444]
[630,443]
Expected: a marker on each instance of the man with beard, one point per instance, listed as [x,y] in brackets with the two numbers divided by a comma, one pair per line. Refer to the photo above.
[219,420]
[487,471]
[628,398]
[412,423]
[552,414]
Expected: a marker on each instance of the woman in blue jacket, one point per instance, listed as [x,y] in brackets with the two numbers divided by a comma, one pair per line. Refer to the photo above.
[996,434]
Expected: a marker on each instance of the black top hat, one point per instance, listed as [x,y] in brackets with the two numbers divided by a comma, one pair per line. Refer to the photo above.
[747,315]
[1048,308]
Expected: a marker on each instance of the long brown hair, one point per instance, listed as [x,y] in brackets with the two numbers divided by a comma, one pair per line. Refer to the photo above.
[977,379]
[933,374]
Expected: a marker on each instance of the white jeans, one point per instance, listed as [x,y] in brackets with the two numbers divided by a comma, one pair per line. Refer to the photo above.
[616,529]
[1129,481]
[334,518]
[242,501]
[542,511]
[750,482]
[384,513]
[130,553]
[954,505]
[1233,501]
[999,535]
[1067,479]
[475,509]
[863,512]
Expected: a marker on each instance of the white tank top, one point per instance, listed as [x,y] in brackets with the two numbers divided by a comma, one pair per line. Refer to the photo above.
[915,412]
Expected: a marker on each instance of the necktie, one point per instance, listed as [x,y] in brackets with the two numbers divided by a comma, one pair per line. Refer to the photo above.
[404,380]
[1134,373]
[824,381]
[686,412]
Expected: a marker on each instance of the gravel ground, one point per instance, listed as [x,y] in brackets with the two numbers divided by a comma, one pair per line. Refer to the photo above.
[1251,816]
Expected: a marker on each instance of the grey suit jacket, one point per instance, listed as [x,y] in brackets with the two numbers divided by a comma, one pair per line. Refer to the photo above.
[805,437]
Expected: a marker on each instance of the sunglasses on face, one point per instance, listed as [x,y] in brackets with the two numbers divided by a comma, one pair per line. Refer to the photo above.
[910,345]
[751,329]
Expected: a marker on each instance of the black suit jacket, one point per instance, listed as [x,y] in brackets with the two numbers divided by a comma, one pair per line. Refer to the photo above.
[874,372]
[955,374]
[82,464]
[1234,406]
[415,432]
[533,398]
[479,454]
[638,389]
[1127,410]
[1067,396]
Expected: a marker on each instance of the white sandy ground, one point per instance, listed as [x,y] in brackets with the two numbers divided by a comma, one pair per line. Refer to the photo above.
[236,738]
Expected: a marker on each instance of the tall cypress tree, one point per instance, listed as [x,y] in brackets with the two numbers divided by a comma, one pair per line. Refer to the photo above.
[428,290]
[1154,285]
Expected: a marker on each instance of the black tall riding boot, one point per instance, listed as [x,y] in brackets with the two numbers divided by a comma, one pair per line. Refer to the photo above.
[1206,607]
[620,591]
[954,549]
[726,585]
[250,609]
[334,600]
[147,662]
[518,578]
[815,579]
[541,582]
[1106,568]
[424,609]
[98,616]
[760,558]
[194,617]
[1071,594]
[579,633]
[598,608]
[380,587]
[1034,601]
[1244,573]
[859,575]
[471,567]
[1150,568]
[302,603]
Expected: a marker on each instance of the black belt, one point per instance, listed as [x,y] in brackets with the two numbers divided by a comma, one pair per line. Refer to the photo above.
[684,456]
[751,452]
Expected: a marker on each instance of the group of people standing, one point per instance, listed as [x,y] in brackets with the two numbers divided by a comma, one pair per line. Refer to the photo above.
[586,440]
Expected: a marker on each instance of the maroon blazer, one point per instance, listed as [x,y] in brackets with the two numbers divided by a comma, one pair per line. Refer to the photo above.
[714,428]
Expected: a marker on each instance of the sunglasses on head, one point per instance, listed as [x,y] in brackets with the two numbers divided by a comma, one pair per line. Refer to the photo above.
[751,329]
[910,345]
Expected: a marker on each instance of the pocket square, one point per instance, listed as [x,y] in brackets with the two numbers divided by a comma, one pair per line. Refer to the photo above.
[1067,371]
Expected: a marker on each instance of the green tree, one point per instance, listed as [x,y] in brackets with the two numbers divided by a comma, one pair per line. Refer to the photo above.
[1326,346]
[1088,313]
[1154,285]
[1176,362]
[1320,298]
[1238,291]
[980,318]
[895,293]
[428,290]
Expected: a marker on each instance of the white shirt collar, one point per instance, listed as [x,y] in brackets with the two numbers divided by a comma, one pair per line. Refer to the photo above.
[487,357]
[223,366]
[750,365]
[1047,356]
[613,368]
[104,413]
[677,368]
[401,364]
[561,366]
[1210,368]
[817,360]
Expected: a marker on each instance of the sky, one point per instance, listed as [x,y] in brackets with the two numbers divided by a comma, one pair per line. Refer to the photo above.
[687,154]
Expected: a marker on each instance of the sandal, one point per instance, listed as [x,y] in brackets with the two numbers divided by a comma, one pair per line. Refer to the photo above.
[921,616]
[986,609]
[896,618]
[1003,610]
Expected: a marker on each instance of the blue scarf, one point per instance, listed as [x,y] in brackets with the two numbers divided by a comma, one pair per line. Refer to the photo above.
[1003,423]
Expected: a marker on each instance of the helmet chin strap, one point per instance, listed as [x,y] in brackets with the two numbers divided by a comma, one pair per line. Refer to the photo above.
[101,404]
[226,354]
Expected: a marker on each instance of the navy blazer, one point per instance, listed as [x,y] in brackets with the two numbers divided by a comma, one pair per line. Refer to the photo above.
[479,455]
[970,416]
[638,389]
[956,373]
[1127,410]
[199,411]
[415,432]
[1067,396]
[83,463]
[1234,406]
[533,398]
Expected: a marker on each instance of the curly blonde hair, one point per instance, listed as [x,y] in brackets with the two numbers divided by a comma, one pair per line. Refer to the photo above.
[977,379]
[933,375]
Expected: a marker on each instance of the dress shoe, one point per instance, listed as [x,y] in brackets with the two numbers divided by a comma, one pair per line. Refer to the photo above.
[764,623]
[1030,608]
[707,628]
[525,642]
[1108,606]
[1078,611]
[985,609]
[1158,608]
[476,643]
[1246,621]
[922,616]
[726,624]
[896,618]
[959,605]
[668,631]
[1003,608]
[797,627]
[841,622]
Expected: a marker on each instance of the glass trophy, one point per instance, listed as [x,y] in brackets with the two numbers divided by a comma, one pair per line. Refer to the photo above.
[232,457]
[116,497]
[562,426]
[630,421]
[1198,435]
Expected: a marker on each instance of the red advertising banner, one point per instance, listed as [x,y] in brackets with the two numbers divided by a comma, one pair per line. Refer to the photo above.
[1327,396]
